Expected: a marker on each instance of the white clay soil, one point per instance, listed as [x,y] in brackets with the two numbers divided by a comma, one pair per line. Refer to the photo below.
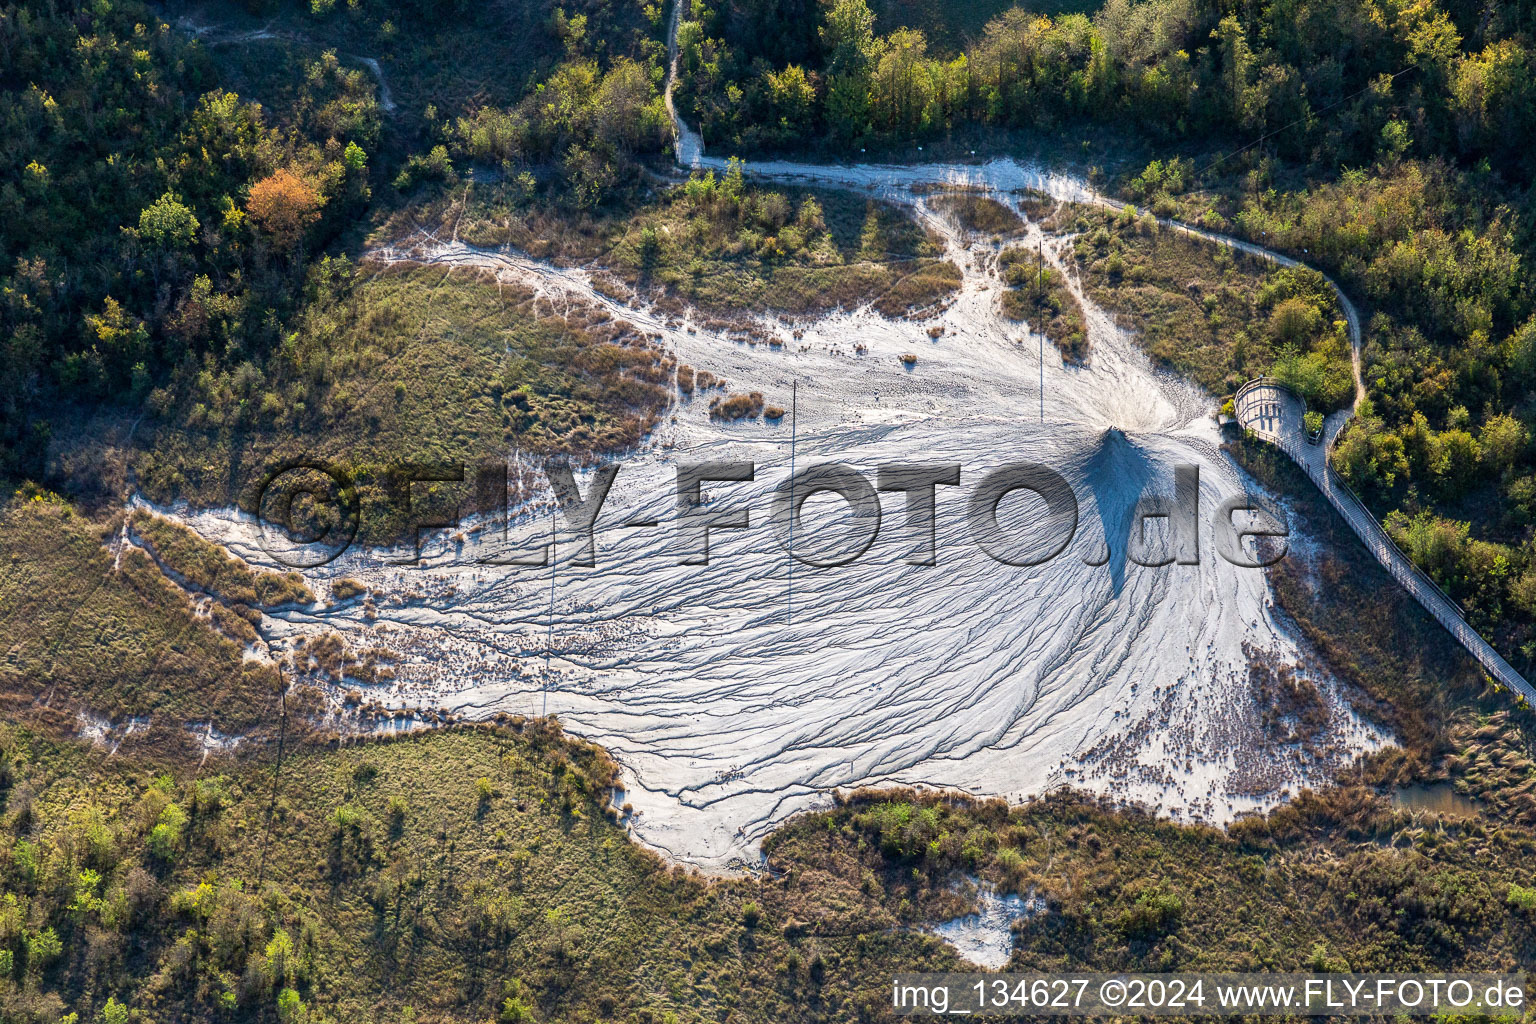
[738,693]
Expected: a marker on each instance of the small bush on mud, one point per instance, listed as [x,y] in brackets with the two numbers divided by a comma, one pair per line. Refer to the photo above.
[737,406]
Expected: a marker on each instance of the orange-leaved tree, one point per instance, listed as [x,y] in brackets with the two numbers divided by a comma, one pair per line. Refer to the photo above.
[284,205]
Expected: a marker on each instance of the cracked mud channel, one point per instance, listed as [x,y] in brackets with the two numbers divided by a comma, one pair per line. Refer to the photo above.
[738,693]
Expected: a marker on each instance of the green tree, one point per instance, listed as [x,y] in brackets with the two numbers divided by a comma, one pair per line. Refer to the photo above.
[168,223]
[1370,456]
[1454,457]
[86,898]
[43,948]
[290,1008]
[1394,141]
[122,338]
[165,837]
[1502,442]
[1436,545]
[514,1011]
[1236,68]
[848,37]
[792,97]
[901,84]
[279,959]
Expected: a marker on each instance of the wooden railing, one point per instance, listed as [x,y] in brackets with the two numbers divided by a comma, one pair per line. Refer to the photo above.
[1446,609]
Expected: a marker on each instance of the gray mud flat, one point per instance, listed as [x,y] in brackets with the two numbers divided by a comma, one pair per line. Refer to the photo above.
[985,937]
[740,692]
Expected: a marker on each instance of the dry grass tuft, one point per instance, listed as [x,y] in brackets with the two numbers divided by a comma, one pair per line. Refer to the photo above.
[738,406]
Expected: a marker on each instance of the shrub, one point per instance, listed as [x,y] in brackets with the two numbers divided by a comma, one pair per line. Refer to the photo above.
[650,247]
[1010,862]
[904,830]
[514,1011]
[43,948]
[348,818]
[1294,321]
[1155,912]
[435,166]
[736,407]
[165,837]
[345,589]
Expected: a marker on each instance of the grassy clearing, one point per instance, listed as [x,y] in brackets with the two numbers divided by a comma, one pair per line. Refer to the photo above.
[83,629]
[729,249]
[1038,294]
[1218,317]
[207,567]
[422,365]
[465,875]
[979,214]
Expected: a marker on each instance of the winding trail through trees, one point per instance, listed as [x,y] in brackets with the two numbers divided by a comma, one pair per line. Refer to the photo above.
[1271,411]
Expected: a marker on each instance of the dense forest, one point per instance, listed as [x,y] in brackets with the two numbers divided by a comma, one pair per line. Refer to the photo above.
[1328,84]
[160,234]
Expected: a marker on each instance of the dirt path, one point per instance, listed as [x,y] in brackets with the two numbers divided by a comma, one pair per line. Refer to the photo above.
[214,35]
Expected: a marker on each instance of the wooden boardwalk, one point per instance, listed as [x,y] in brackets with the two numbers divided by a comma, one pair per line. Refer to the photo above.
[1273,412]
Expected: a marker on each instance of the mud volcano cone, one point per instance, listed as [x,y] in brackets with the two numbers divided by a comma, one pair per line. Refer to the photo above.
[1116,471]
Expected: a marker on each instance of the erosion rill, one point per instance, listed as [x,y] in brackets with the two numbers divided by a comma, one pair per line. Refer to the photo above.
[1091,669]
